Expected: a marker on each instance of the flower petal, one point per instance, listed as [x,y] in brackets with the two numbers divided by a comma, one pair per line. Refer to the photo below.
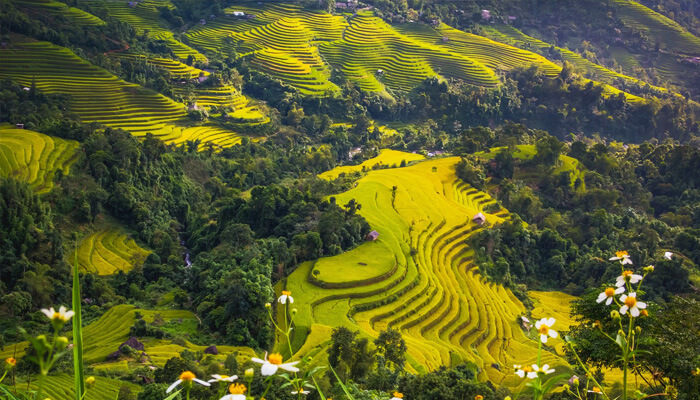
[620,290]
[601,297]
[609,301]
[170,389]
[257,360]
[551,322]
[627,260]
[49,313]
[641,305]
[634,311]
[290,366]
[543,338]
[201,382]
[268,369]
[553,333]
[623,310]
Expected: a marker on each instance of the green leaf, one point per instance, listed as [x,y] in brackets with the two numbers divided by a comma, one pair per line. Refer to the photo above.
[318,389]
[342,385]
[79,372]
[172,396]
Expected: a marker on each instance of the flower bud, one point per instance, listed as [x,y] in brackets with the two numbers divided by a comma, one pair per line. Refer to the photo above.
[294,311]
[90,381]
[62,342]
[10,363]
[507,398]
[596,324]
[648,269]
[644,313]
[639,329]
[268,305]
[615,315]
[249,373]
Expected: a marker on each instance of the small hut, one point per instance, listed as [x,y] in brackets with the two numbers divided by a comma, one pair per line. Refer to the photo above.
[372,236]
[479,219]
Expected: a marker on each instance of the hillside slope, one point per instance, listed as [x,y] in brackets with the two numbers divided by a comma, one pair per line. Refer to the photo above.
[427,287]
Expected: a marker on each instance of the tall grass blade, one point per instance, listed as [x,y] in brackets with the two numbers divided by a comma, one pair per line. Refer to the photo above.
[77,333]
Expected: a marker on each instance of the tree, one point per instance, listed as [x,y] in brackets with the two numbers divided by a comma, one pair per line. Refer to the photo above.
[392,347]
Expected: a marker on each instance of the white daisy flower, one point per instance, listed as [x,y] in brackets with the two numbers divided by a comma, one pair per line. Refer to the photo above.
[631,304]
[186,377]
[525,371]
[237,391]
[545,369]
[609,294]
[397,396]
[668,255]
[273,362]
[627,276]
[62,314]
[622,255]
[286,295]
[223,378]
[544,329]
[302,392]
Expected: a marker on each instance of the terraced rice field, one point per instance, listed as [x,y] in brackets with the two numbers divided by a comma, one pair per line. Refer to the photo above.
[279,40]
[657,27]
[493,54]
[177,69]
[96,95]
[145,17]
[104,336]
[205,96]
[109,251]
[34,157]
[386,157]
[511,35]
[374,54]
[57,9]
[61,387]
[435,296]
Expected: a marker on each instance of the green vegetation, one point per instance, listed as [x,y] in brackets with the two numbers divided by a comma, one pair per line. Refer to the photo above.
[144,16]
[57,9]
[34,158]
[659,28]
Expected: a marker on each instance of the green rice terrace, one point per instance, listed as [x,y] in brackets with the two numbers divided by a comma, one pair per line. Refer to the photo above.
[304,49]
[109,251]
[417,277]
[57,9]
[98,96]
[33,157]
[106,335]
[143,16]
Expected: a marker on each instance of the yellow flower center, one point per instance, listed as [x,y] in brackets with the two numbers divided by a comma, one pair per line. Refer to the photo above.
[610,292]
[544,329]
[596,389]
[286,293]
[11,361]
[237,388]
[399,395]
[630,301]
[187,376]
[275,358]
[621,254]
[57,316]
[627,274]
[478,397]
[527,369]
